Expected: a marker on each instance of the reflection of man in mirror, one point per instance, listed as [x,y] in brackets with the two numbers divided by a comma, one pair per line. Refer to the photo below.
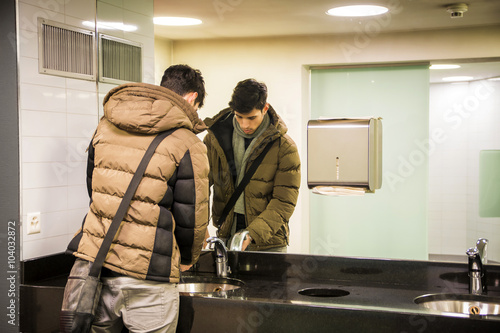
[235,139]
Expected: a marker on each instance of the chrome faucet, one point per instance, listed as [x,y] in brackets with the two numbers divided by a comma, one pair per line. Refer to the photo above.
[221,260]
[477,271]
[236,242]
[482,247]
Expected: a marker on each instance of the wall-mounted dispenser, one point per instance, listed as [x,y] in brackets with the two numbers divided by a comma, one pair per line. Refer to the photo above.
[344,155]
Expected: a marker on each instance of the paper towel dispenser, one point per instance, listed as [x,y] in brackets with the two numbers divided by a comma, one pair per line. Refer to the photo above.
[345,152]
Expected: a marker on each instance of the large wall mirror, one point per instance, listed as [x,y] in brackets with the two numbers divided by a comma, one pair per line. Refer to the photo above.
[277,42]
[240,39]
[281,45]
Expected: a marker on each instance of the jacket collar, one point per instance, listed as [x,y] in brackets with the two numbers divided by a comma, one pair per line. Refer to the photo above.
[224,119]
[149,109]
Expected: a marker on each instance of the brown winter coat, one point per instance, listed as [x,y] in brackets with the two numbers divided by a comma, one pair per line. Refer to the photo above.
[271,195]
[168,215]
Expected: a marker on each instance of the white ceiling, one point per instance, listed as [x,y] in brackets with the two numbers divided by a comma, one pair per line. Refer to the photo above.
[265,18]
[256,18]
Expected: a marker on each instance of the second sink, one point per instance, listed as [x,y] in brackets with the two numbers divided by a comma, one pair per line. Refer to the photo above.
[474,305]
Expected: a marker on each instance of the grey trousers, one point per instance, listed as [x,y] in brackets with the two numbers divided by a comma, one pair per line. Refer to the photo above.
[142,306]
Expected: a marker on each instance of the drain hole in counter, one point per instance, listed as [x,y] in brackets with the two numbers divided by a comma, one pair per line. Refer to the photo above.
[323,292]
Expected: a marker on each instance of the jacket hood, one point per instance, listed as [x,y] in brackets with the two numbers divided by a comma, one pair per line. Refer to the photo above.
[149,109]
[276,121]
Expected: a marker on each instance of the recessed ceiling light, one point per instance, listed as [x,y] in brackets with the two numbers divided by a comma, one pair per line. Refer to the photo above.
[176,21]
[494,79]
[444,66]
[457,78]
[357,11]
[111,25]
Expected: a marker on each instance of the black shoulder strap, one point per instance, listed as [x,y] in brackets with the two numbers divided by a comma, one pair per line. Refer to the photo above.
[122,209]
[241,186]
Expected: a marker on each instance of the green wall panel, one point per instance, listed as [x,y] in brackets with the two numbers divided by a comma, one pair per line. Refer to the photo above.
[489,183]
[392,222]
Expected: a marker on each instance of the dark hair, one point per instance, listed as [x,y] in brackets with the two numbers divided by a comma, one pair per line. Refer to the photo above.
[182,80]
[248,94]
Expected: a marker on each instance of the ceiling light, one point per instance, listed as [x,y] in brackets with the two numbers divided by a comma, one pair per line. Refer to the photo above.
[111,25]
[176,21]
[494,79]
[357,11]
[457,78]
[444,66]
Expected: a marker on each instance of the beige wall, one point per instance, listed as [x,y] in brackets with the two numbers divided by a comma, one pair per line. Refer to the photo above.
[282,63]
[163,57]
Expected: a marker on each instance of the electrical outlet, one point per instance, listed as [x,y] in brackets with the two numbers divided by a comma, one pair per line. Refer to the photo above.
[33,223]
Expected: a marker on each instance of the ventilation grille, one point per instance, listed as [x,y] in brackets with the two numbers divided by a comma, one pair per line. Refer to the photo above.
[120,60]
[66,51]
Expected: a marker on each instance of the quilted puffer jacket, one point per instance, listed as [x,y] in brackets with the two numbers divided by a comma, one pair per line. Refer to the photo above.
[270,196]
[167,218]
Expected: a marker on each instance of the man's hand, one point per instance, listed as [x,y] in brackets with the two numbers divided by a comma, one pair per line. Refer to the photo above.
[246,242]
[185,267]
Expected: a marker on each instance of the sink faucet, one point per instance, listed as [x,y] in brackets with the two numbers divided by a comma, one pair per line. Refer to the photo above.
[220,251]
[477,270]
[236,242]
[482,247]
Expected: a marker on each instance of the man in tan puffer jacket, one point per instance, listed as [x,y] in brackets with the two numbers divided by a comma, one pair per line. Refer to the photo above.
[166,222]
[236,136]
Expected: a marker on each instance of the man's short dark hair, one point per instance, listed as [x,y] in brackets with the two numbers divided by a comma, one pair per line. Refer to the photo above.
[248,94]
[182,79]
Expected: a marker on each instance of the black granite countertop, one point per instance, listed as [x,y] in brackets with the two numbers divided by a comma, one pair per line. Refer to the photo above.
[377,295]
[373,291]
